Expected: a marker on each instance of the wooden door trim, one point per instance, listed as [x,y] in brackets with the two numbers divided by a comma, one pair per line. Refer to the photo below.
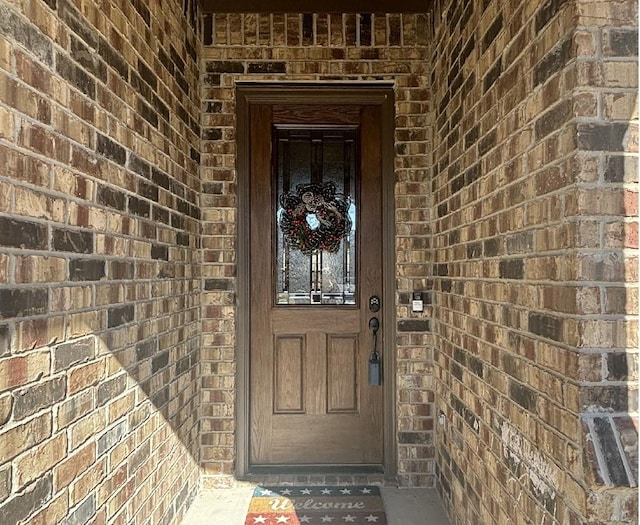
[331,94]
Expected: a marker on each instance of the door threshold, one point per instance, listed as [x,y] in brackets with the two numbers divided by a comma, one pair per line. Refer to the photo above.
[328,475]
[260,471]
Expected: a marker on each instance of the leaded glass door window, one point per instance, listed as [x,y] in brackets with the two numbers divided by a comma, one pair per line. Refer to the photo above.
[316,215]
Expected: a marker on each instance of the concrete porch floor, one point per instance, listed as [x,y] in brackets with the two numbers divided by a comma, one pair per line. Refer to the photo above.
[403,507]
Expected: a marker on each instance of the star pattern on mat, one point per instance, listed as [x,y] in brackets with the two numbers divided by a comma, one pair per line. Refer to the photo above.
[315,511]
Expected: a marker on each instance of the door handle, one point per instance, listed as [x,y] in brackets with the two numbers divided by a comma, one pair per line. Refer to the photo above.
[375,365]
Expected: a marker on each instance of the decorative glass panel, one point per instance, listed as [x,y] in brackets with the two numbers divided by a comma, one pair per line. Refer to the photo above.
[316,216]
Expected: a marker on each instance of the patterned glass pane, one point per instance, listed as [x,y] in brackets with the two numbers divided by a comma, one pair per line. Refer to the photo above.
[316,216]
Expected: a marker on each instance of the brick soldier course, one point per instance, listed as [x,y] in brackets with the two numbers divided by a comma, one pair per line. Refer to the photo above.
[515,210]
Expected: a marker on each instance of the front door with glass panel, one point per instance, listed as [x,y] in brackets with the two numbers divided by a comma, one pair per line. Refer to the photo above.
[315,279]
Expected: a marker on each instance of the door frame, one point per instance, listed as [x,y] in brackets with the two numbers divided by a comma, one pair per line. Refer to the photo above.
[379,94]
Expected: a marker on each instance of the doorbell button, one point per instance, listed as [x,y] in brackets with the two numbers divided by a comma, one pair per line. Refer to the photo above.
[417,304]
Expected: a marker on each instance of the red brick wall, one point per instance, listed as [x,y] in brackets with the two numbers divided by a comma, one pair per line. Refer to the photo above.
[535,247]
[99,245]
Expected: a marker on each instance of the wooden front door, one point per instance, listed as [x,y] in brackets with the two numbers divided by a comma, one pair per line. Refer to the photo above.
[315,273]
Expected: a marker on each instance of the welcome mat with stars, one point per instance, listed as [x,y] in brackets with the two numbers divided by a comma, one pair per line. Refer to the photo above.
[316,506]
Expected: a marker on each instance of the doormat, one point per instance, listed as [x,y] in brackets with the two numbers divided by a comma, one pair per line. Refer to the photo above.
[316,506]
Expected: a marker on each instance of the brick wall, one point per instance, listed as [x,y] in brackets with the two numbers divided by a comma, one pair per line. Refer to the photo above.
[516,202]
[99,247]
[316,48]
[535,246]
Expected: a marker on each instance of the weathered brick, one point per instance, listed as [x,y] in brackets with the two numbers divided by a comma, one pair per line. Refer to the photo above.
[120,315]
[88,482]
[74,408]
[267,67]
[121,270]
[7,125]
[160,252]
[110,389]
[110,149]
[75,75]
[159,361]
[112,198]
[512,269]
[603,137]
[596,399]
[492,32]
[224,67]
[73,241]
[109,439]
[113,58]
[39,459]
[26,34]
[23,369]
[28,401]
[18,509]
[77,23]
[6,406]
[553,62]
[86,269]
[20,302]
[73,353]
[546,326]
[621,42]
[139,207]
[19,438]
[524,396]
[72,467]
[22,234]
[38,269]
[146,349]
[88,60]
[84,512]
[487,142]
[414,325]
[5,482]
[548,10]
[553,119]
[54,512]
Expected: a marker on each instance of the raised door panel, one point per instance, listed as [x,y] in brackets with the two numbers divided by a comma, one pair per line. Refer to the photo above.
[342,374]
[299,439]
[288,375]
